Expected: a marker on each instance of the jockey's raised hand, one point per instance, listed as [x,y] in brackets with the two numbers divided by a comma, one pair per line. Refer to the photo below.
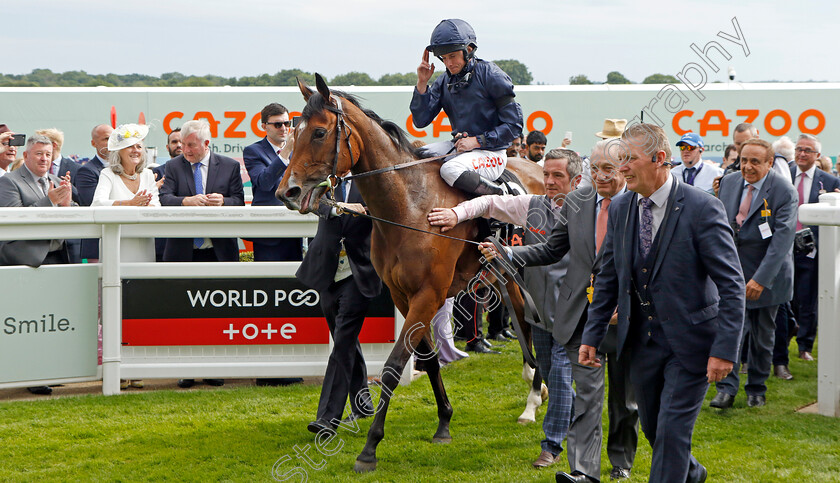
[424,72]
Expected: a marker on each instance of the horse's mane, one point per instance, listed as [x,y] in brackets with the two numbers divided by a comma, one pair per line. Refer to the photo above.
[316,104]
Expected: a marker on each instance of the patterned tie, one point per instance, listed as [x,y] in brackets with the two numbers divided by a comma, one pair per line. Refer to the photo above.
[199,190]
[601,224]
[801,190]
[689,175]
[745,206]
[646,228]
[44,186]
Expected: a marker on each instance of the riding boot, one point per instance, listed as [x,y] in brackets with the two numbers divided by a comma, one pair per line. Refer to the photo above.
[472,182]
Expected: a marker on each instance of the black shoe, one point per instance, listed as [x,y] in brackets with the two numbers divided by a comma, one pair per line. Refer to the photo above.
[756,401]
[722,401]
[320,425]
[472,182]
[279,381]
[498,336]
[782,372]
[214,382]
[40,390]
[508,334]
[477,346]
[619,473]
[702,475]
[185,383]
[574,477]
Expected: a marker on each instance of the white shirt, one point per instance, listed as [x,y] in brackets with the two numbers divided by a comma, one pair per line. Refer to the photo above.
[704,178]
[660,204]
[808,181]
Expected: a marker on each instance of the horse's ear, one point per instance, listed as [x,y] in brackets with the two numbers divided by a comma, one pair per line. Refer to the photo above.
[304,88]
[321,84]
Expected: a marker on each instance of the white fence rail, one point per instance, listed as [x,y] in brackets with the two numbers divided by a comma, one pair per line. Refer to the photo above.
[114,223]
[827,214]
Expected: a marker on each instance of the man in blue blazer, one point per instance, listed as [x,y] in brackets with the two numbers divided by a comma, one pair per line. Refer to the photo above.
[761,208]
[220,185]
[810,182]
[266,161]
[671,267]
[87,177]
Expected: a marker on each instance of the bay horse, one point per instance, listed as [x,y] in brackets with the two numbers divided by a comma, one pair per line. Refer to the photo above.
[337,136]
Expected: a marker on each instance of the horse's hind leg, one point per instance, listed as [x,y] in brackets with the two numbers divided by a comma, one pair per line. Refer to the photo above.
[432,366]
[413,332]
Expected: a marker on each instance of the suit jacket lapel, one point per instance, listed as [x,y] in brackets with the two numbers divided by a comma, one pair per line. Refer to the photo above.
[814,196]
[627,233]
[212,168]
[666,231]
[588,226]
[32,183]
[763,194]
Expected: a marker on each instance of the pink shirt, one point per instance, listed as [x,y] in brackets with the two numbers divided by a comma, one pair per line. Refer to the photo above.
[506,208]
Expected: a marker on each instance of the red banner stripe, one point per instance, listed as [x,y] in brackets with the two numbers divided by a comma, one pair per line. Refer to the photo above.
[244,331]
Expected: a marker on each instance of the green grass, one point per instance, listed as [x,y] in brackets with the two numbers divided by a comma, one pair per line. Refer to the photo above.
[238,434]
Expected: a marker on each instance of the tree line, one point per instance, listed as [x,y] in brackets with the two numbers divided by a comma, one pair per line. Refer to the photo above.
[518,72]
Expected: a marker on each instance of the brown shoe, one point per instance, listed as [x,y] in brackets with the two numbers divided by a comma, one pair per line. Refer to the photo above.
[782,372]
[806,356]
[545,459]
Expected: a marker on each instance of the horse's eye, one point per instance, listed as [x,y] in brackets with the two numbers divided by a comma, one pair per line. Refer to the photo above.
[319,133]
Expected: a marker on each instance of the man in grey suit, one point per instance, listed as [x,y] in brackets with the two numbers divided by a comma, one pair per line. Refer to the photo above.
[32,185]
[579,232]
[761,207]
[666,235]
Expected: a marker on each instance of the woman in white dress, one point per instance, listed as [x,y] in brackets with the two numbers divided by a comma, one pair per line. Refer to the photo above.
[126,182]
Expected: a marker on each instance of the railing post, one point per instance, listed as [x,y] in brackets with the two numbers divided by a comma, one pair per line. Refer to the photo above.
[111,308]
[828,386]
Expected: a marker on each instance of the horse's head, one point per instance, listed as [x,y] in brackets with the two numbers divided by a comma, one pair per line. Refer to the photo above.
[324,146]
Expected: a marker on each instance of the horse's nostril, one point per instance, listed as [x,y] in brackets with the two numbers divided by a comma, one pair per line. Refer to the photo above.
[292,193]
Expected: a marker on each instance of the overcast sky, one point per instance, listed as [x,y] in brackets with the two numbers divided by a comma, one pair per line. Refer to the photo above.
[554,39]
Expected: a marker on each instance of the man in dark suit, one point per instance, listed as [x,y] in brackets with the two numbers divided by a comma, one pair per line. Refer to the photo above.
[266,161]
[61,166]
[33,185]
[87,177]
[761,208]
[579,231]
[338,266]
[666,236]
[810,182]
[199,177]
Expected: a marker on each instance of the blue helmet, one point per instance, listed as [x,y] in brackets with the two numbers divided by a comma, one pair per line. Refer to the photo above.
[452,35]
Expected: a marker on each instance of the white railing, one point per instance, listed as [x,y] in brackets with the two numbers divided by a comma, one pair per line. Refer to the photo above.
[114,223]
[827,214]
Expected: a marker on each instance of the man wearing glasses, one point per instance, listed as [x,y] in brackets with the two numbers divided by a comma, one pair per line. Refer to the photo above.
[266,161]
[694,170]
[8,153]
[810,183]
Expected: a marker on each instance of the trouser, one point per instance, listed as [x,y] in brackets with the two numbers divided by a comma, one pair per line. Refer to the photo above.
[669,398]
[584,442]
[467,314]
[346,375]
[785,328]
[761,326]
[623,412]
[488,164]
[804,304]
[556,371]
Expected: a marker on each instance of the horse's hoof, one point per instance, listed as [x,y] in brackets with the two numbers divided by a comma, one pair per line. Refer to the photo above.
[443,440]
[544,392]
[525,421]
[364,466]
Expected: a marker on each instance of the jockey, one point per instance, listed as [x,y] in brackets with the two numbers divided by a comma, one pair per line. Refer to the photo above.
[479,100]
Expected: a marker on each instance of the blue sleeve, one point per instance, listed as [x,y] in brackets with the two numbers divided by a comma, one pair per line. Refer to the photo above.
[605,296]
[499,86]
[263,177]
[167,193]
[425,107]
[86,180]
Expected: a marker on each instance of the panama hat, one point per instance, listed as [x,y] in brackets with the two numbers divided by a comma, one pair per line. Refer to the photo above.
[613,128]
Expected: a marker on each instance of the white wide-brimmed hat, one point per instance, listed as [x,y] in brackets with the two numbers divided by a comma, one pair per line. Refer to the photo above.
[127,135]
